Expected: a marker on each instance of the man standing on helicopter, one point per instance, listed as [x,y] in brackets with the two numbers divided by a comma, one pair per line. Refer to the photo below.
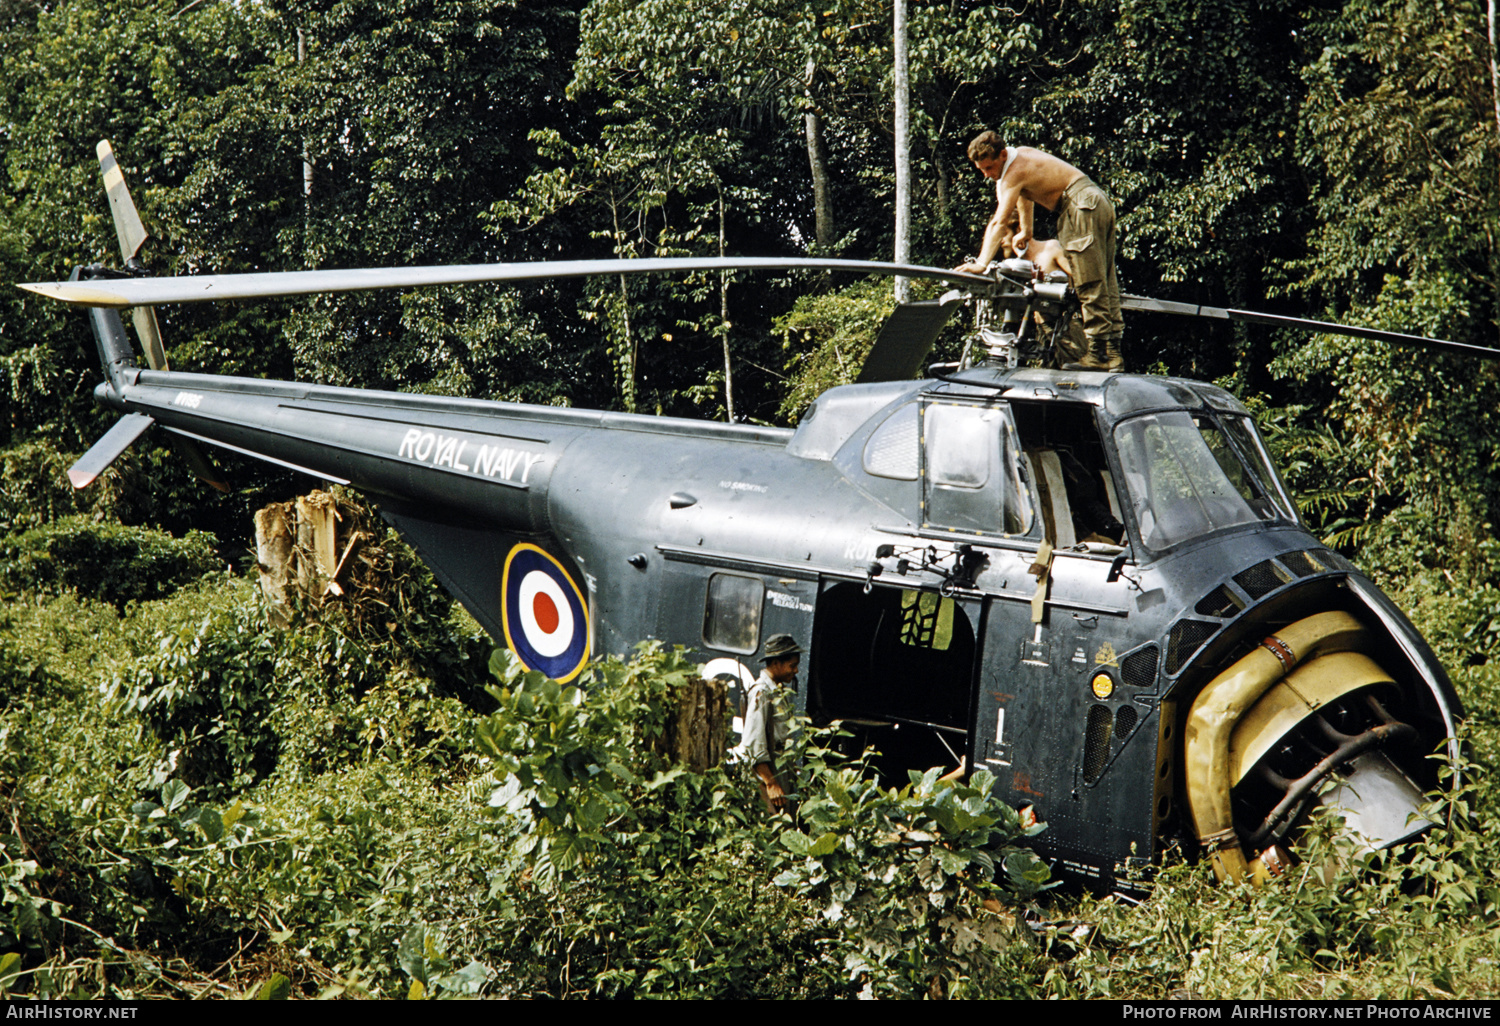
[1025,177]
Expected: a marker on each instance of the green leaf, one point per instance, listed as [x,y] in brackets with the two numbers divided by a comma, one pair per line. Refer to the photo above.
[468,980]
[411,953]
[796,842]
[10,969]
[173,793]
[277,988]
[824,845]
[930,875]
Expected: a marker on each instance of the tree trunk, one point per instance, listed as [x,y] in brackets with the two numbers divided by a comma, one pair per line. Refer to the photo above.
[626,353]
[724,318]
[296,552]
[694,737]
[903,152]
[941,172]
[307,167]
[273,561]
[817,159]
[1495,95]
[317,517]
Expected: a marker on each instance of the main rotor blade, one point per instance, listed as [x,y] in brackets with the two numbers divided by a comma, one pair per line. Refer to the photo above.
[1129,302]
[906,338]
[128,227]
[125,292]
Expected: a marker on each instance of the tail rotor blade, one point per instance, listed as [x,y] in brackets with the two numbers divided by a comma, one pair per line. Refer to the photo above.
[132,235]
[144,318]
[128,227]
[198,462]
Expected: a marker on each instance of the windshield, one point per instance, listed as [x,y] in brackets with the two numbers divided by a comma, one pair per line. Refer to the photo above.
[1187,475]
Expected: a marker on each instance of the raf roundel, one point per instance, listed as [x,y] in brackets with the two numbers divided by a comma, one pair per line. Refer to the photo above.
[546,620]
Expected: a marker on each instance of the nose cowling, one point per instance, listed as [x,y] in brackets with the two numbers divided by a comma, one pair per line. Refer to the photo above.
[1305,719]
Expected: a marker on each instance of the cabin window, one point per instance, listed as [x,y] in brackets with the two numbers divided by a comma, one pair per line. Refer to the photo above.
[972,482]
[731,616]
[959,440]
[892,449]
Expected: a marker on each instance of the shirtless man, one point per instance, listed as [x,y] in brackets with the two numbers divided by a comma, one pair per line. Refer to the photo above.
[1046,254]
[1025,177]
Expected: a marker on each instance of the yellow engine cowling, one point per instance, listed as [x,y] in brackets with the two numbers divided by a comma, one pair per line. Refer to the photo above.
[1248,710]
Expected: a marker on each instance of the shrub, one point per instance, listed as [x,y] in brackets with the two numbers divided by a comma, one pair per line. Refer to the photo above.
[650,880]
[207,694]
[106,561]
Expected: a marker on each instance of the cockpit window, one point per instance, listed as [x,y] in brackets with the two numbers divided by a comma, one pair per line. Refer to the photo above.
[892,449]
[1258,462]
[1188,476]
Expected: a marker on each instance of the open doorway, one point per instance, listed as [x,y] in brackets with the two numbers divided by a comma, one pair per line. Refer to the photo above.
[1079,503]
[896,666]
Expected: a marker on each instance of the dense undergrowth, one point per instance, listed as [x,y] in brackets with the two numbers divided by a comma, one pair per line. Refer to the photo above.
[198,804]
[200,808]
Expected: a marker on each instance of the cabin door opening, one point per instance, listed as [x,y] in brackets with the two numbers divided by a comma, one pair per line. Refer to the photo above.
[896,666]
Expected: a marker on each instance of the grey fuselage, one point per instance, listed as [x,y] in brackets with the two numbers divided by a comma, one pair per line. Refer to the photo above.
[921,622]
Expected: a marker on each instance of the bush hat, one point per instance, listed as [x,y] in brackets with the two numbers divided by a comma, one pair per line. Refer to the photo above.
[780,646]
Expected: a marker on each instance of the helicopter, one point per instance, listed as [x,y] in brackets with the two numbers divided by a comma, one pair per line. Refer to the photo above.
[1094,585]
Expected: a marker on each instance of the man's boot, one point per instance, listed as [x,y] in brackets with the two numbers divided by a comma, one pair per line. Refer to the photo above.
[1103,355]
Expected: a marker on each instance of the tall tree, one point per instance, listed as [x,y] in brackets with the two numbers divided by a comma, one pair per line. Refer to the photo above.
[824,71]
[415,116]
[1400,138]
[73,74]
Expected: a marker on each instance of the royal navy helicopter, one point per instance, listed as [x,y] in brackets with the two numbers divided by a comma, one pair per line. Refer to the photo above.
[1096,585]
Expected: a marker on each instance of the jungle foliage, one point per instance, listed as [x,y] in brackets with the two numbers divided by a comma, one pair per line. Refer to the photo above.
[198,804]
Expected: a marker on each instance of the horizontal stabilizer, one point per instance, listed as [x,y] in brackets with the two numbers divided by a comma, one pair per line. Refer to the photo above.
[123,292]
[108,449]
[906,338]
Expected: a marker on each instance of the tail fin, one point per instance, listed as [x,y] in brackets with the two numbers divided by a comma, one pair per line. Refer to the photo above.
[115,351]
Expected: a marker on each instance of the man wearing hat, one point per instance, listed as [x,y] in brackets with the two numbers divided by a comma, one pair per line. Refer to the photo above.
[768,716]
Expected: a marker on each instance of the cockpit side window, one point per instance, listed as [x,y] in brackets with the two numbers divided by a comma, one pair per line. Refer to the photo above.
[892,449]
[972,477]
[1187,476]
[959,441]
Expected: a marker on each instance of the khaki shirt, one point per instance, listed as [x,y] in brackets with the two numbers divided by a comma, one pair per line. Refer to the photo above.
[769,703]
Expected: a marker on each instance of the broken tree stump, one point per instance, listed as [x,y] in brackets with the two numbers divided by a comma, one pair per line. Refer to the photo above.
[274,545]
[694,738]
[297,553]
